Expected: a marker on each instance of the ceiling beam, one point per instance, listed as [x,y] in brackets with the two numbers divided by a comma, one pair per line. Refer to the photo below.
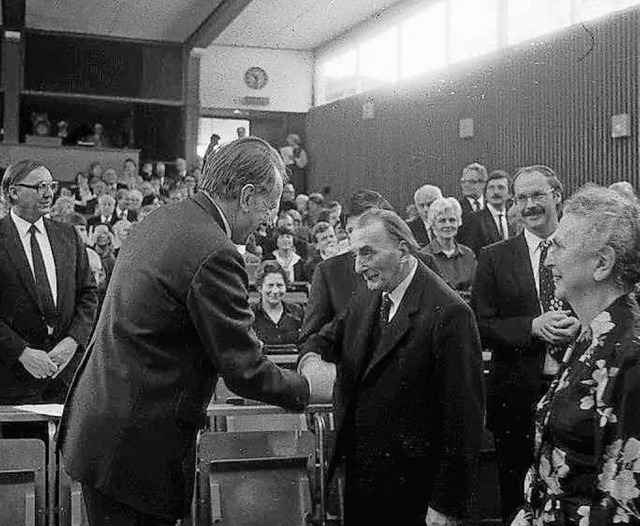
[13,14]
[213,26]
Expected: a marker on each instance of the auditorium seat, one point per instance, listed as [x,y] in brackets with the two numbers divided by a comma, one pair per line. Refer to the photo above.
[22,482]
[71,504]
[255,479]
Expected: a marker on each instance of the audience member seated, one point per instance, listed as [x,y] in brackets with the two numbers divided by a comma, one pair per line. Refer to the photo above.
[128,177]
[326,243]
[123,204]
[106,214]
[102,242]
[285,221]
[120,232]
[285,254]
[315,205]
[288,200]
[423,197]
[587,440]
[277,322]
[110,178]
[98,187]
[134,203]
[457,262]
[85,200]
[188,185]
[62,207]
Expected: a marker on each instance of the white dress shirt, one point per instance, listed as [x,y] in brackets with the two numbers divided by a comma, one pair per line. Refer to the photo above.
[42,238]
[480,201]
[398,293]
[495,213]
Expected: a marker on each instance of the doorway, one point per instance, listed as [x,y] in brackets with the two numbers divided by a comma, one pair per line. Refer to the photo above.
[225,128]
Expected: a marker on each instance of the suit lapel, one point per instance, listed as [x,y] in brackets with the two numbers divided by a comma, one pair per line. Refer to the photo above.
[522,269]
[206,203]
[369,318]
[16,254]
[62,255]
[400,323]
[492,229]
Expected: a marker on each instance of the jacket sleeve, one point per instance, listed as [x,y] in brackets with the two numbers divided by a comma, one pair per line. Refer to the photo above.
[11,344]
[498,329]
[86,300]
[460,398]
[217,303]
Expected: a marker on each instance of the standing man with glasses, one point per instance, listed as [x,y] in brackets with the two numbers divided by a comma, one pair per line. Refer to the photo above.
[48,296]
[472,183]
[523,324]
[176,317]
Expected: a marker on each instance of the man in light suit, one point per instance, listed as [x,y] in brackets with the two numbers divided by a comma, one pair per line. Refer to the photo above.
[490,224]
[175,317]
[514,325]
[48,296]
[408,396]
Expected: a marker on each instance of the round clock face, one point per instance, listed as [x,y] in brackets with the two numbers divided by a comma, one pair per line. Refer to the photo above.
[256,78]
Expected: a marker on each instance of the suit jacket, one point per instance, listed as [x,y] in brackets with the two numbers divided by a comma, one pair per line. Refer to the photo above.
[408,410]
[419,232]
[176,315]
[482,230]
[505,300]
[333,284]
[22,319]
[464,232]
[94,221]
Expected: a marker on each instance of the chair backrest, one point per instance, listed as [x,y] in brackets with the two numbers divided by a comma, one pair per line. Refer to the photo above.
[22,482]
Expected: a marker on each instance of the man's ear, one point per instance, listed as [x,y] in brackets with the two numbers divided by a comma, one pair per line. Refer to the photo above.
[246,194]
[605,262]
[404,249]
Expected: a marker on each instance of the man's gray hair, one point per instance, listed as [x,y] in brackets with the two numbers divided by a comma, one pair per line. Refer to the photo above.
[249,160]
[614,221]
[17,172]
[393,224]
[442,205]
[428,189]
[477,168]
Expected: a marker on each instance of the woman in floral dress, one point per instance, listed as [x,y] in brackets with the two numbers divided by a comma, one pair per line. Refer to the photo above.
[587,458]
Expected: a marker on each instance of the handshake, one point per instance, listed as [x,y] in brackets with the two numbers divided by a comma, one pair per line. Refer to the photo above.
[41,364]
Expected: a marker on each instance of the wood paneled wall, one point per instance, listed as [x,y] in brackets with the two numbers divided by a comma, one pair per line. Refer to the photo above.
[548,101]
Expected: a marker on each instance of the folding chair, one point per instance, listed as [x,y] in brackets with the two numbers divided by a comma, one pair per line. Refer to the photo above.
[255,478]
[71,510]
[22,482]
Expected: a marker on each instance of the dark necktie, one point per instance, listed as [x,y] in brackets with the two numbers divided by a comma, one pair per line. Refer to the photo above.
[42,281]
[385,310]
[548,300]
[500,227]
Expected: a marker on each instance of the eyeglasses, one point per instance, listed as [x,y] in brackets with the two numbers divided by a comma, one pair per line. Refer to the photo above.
[469,181]
[41,187]
[536,197]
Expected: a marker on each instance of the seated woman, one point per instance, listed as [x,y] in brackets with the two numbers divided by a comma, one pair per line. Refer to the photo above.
[286,256]
[277,322]
[587,442]
[456,262]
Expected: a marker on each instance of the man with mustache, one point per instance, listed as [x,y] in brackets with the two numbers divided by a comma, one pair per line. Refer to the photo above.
[490,225]
[525,327]
[48,296]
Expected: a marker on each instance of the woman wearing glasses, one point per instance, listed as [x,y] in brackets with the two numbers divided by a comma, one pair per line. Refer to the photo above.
[586,468]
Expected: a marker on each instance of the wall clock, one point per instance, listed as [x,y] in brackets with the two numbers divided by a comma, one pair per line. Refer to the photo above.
[256,78]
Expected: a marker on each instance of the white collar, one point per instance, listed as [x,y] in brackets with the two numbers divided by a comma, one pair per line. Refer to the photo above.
[494,211]
[227,226]
[23,225]
[533,241]
[480,200]
[398,293]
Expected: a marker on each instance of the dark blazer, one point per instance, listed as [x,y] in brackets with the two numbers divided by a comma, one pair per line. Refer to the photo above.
[505,300]
[22,320]
[175,317]
[334,282]
[482,230]
[464,232]
[419,232]
[94,221]
[414,403]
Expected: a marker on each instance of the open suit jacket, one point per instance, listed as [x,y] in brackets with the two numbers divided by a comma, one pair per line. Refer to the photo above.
[21,317]
[505,300]
[409,409]
[175,316]
[419,231]
[482,230]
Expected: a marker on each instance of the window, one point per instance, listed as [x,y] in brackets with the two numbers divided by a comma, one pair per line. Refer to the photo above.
[473,28]
[378,63]
[589,9]
[423,41]
[338,76]
[528,19]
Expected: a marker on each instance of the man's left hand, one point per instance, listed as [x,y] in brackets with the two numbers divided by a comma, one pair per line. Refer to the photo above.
[435,518]
[62,353]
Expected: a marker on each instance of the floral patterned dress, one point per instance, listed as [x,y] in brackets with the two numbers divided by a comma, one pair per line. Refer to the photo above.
[587,448]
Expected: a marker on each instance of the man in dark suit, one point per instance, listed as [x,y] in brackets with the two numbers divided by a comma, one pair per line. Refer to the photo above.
[525,338]
[490,224]
[423,197]
[106,213]
[474,178]
[48,295]
[409,395]
[176,316]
